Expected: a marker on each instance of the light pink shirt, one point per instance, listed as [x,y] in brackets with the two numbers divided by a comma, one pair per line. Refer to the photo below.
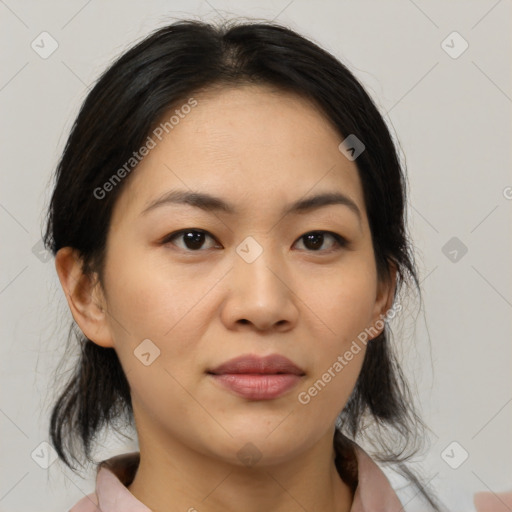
[373,493]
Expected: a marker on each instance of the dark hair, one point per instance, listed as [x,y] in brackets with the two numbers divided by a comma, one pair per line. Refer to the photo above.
[164,69]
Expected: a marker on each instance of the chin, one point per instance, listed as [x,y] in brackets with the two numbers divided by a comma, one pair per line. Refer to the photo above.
[261,447]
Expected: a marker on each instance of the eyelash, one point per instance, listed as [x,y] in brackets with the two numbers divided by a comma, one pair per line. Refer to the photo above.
[340,241]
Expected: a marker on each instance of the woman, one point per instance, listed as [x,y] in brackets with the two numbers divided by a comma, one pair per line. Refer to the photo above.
[229,230]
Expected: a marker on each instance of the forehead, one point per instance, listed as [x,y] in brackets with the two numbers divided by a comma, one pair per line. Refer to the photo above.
[253,145]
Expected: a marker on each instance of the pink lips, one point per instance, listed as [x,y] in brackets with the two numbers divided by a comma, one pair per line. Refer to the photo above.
[258,378]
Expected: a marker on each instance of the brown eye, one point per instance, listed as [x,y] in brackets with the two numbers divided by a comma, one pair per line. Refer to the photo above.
[192,239]
[314,240]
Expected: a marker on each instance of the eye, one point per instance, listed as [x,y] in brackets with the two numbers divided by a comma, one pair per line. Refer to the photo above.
[193,239]
[314,240]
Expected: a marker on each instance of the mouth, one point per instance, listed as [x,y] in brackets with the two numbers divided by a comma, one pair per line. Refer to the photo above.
[274,364]
[258,378]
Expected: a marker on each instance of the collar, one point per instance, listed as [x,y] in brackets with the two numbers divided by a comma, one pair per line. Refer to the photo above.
[373,492]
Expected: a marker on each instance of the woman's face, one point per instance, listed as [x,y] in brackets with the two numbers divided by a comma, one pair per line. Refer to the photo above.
[251,284]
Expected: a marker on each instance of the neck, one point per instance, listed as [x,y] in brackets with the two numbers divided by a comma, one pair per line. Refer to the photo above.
[178,478]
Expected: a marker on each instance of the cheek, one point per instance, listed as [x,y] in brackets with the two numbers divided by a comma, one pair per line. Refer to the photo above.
[155,304]
[153,301]
[332,379]
[345,307]
[345,302]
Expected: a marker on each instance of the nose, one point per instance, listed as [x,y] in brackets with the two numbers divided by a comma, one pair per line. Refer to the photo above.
[260,295]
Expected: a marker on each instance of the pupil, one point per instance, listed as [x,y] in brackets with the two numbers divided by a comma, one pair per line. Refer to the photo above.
[316,239]
[193,239]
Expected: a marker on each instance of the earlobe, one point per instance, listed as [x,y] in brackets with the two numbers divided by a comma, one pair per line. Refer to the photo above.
[84,297]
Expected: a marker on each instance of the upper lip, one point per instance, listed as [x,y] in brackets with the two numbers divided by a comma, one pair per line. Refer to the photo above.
[251,363]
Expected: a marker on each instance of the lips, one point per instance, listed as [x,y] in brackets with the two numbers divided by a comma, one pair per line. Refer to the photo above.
[252,364]
[257,378]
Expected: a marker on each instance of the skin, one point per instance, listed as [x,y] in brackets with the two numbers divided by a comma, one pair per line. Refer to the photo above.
[258,149]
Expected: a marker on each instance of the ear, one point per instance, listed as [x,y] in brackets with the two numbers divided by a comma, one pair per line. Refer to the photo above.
[84,295]
[384,299]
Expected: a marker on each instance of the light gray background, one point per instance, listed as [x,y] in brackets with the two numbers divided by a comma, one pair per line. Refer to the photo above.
[452,118]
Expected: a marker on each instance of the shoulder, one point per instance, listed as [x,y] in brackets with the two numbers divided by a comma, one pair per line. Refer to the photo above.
[111,494]
[88,503]
[374,491]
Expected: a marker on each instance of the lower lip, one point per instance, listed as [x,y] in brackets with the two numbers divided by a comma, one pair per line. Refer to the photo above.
[258,387]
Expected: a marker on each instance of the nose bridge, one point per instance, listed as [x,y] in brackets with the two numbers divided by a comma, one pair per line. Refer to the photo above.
[256,264]
[258,293]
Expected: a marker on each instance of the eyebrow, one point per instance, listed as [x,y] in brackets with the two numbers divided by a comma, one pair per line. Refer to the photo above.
[209,202]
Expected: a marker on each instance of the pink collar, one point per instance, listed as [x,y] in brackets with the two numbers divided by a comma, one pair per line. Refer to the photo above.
[373,493]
